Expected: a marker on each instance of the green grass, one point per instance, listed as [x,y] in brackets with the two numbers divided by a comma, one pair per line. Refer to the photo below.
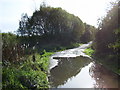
[109,65]
[108,62]
[58,47]
[89,51]
[28,75]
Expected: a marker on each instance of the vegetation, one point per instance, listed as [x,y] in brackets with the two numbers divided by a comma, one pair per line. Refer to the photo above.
[11,46]
[106,43]
[89,33]
[25,56]
[23,69]
[54,25]
[89,51]
[28,74]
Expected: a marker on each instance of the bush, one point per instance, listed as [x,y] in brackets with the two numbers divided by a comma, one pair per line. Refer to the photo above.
[28,75]
[89,51]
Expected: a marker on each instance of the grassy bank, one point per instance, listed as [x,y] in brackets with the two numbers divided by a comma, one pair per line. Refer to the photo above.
[89,51]
[109,64]
[54,47]
[106,61]
[29,74]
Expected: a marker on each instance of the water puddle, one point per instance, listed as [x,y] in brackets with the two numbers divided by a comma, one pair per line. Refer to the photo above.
[73,69]
[81,72]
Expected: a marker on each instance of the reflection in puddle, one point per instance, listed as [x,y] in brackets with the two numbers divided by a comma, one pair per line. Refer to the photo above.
[103,77]
[80,72]
[66,70]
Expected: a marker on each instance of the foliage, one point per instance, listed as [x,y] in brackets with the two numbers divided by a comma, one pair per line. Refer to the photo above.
[106,31]
[116,44]
[26,72]
[52,23]
[54,26]
[89,51]
[11,47]
[89,33]
[28,75]
[107,40]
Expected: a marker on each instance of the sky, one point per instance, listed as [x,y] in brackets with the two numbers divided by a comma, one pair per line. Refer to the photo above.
[87,10]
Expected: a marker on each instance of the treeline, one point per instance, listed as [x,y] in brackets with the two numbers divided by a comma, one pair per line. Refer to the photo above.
[107,39]
[50,24]
[48,28]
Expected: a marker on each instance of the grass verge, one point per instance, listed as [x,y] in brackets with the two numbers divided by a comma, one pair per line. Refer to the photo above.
[28,74]
[89,51]
[109,63]
[106,60]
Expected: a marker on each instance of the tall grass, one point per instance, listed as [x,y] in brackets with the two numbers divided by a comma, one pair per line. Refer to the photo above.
[89,51]
[28,75]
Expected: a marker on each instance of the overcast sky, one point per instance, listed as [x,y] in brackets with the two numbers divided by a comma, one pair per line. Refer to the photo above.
[87,10]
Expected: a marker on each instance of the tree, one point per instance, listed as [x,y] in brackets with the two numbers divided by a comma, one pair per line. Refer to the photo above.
[11,47]
[78,29]
[89,33]
[107,42]
[54,23]
[23,25]
[106,31]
